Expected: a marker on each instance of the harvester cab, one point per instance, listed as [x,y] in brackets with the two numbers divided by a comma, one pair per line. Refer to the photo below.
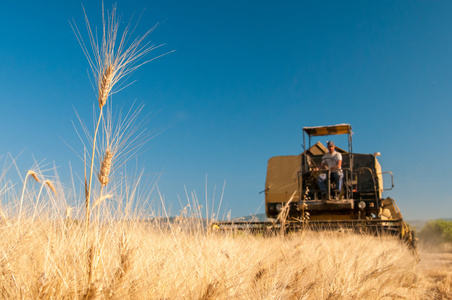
[292,188]
[362,182]
[311,162]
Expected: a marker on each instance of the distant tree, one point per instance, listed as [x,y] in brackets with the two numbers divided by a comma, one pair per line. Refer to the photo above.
[437,232]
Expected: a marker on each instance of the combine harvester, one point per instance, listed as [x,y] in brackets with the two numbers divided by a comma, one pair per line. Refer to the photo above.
[293,197]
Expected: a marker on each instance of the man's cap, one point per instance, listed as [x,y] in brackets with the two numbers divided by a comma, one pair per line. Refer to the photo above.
[330,143]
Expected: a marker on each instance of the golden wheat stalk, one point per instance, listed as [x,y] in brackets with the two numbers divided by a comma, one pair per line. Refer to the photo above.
[100,200]
[43,282]
[35,176]
[68,213]
[90,267]
[94,291]
[88,189]
[3,217]
[109,65]
[282,217]
[126,260]
[51,187]
[113,58]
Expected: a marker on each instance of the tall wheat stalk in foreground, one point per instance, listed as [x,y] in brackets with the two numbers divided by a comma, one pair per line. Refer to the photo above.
[111,59]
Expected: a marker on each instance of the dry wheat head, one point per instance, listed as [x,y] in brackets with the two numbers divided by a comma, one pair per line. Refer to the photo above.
[105,168]
[51,186]
[105,85]
[33,174]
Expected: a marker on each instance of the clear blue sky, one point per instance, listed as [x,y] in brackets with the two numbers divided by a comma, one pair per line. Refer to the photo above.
[245,78]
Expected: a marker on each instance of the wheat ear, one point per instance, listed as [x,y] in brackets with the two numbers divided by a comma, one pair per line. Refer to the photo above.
[33,174]
[105,85]
[105,168]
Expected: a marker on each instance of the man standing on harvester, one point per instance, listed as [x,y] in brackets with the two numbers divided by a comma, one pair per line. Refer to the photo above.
[332,161]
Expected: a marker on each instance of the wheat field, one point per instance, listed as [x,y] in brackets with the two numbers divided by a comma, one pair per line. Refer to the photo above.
[135,259]
[47,252]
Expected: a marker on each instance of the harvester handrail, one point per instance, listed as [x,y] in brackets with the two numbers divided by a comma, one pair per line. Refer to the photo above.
[392,180]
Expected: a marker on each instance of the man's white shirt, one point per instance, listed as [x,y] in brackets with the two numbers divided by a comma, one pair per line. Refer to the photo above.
[331,160]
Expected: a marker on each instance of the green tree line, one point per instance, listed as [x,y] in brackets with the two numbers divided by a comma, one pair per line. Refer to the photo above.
[437,232]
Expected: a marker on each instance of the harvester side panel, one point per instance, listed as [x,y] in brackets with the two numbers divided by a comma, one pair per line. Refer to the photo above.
[282,179]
